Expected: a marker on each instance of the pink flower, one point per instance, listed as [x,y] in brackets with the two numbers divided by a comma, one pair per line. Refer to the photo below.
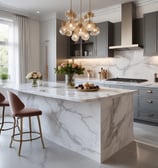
[74,65]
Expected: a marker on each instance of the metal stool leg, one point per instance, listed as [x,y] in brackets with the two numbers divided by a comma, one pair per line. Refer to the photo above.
[2,119]
[39,123]
[21,135]
[12,137]
[30,126]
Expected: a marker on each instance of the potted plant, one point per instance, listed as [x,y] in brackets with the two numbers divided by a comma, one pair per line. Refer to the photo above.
[4,77]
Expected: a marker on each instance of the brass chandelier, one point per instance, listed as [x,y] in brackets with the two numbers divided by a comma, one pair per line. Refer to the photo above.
[82,27]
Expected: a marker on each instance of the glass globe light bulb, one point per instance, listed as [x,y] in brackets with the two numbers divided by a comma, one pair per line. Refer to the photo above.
[89,25]
[95,31]
[68,33]
[70,25]
[85,36]
[75,37]
[62,30]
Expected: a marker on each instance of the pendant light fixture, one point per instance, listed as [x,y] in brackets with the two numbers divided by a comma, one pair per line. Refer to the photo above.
[79,28]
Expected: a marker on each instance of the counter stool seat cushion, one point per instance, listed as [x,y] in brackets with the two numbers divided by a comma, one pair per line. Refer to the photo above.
[4,103]
[26,112]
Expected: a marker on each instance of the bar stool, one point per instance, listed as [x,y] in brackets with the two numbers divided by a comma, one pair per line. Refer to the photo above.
[4,103]
[20,112]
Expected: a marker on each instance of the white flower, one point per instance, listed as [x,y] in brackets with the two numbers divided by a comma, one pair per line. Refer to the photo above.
[34,75]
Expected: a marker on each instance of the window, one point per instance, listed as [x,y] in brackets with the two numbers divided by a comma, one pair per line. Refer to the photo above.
[6,47]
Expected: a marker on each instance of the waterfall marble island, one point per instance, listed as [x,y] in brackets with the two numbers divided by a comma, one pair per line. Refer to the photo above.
[94,124]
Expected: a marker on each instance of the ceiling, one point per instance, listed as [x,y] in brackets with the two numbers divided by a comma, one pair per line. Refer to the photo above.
[29,7]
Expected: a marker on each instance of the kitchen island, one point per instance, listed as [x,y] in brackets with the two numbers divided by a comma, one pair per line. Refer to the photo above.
[94,124]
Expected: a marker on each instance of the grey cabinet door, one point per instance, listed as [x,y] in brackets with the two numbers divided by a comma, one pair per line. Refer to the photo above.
[148,104]
[117,33]
[104,39]
[150,34]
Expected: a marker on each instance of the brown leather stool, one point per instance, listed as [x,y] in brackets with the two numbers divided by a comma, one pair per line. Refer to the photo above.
[4,103]
[20,112]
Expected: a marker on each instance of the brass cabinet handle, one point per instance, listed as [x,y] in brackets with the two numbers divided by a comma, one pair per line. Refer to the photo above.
[149,101]
[149,91]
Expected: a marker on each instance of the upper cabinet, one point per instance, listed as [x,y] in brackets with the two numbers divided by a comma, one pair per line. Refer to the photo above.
[117,33]
[82,49]
[151,34]
[96,46]
[104,40]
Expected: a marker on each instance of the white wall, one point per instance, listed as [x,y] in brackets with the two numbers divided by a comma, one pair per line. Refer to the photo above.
[48,48]
[34,58]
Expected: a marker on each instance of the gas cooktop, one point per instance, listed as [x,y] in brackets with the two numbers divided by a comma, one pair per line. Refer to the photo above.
[127,80]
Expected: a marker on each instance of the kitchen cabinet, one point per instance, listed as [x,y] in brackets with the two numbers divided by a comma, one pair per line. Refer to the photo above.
[82,48]
[148,104]
[117,33]
[138,32]
[104,40]
[96,46]
[151,34]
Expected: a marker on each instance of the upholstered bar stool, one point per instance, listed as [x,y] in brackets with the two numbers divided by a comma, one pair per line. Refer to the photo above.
[4,103]
[20,112]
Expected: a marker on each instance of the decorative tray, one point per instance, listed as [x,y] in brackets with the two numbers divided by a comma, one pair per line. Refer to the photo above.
[88,90]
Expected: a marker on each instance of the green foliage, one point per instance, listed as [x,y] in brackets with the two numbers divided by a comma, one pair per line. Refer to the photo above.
[4,76]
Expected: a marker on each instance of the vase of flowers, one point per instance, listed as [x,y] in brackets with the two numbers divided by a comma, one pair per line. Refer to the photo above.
[69,69]
[34,76]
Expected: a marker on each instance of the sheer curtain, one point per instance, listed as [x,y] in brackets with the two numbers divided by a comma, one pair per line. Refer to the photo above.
[23,46]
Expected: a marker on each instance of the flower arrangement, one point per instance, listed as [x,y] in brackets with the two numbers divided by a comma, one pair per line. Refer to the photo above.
[34,75]
[69,68]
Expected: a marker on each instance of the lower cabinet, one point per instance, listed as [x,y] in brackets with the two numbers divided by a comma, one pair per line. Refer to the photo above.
[148,104]
[145,103]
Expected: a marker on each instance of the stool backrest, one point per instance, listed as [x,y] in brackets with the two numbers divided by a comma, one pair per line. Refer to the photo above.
[15,103]
[2,98]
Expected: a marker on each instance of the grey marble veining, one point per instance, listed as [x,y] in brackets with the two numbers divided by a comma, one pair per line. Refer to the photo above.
[129,63]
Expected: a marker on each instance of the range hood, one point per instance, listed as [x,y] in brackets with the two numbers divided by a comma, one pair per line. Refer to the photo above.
[128,11]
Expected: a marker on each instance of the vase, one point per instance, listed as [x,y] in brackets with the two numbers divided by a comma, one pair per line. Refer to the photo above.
[69,80]
[34,82]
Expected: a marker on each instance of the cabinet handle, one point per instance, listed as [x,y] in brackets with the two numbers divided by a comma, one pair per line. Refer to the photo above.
[149,101]
[149,91]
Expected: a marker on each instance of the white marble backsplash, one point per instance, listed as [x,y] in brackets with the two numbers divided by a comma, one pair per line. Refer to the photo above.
[130,64]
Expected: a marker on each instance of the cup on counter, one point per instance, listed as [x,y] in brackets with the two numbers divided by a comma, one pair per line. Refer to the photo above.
[85,53]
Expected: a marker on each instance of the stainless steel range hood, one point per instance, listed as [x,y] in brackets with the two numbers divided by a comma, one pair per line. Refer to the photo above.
[128,11]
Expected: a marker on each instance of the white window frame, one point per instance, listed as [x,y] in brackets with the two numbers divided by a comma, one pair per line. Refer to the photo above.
[10,45]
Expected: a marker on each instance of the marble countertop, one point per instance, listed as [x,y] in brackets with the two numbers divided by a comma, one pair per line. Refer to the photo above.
[60,91]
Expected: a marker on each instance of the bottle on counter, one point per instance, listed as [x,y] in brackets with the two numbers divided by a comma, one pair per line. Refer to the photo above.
[103,74]
[156,77]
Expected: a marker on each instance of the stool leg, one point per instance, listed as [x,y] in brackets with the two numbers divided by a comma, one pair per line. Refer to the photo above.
[12,137]
[2,119]
[30,126]
[39,123]
[21,134]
